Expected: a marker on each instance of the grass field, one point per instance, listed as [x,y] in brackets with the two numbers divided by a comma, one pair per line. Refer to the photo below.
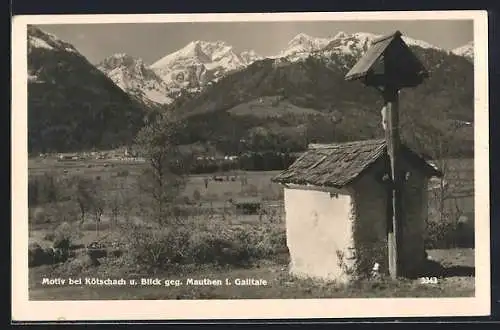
[280,285]
[118,175]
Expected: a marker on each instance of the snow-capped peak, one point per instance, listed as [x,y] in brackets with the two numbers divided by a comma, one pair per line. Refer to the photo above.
[194,52]
[121,60]
[41,39]
[250,56]
[370,37]
[303,43]
[466,50]
[134,77]
[301,38]
[200,62]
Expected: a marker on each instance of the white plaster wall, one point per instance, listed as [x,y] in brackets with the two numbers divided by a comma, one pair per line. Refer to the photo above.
[318,225]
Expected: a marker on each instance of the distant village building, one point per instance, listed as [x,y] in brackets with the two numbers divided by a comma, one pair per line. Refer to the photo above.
[337,209]
[68,157]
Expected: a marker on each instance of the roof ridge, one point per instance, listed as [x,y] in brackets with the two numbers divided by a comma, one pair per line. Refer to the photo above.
[344,144]
[339,164]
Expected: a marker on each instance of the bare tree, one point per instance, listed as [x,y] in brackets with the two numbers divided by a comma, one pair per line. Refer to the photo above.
[441,143]
[89,199]
[163,179]
[120,203]
[84,189]
[115,205]
[98,204]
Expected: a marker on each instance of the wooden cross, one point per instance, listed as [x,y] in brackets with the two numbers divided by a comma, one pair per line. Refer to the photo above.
[389,65]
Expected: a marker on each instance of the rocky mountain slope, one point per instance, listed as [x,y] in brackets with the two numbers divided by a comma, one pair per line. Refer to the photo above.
[285,103]
[199,63]
[466,51]
[202,63]
[342,43]
[136,78]
[71,104]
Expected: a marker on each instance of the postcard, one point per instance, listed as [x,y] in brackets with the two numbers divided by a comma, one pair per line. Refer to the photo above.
[250,166]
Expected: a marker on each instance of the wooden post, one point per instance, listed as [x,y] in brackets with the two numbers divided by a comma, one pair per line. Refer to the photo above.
[392,140]
[401,70]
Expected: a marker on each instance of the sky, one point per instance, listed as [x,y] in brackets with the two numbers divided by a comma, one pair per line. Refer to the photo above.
[152,41]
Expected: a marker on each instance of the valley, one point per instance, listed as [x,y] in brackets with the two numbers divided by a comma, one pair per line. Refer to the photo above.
[104,203]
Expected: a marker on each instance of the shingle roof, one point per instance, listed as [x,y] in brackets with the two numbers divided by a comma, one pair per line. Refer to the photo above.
[406,68]
[370,57]
[337,165]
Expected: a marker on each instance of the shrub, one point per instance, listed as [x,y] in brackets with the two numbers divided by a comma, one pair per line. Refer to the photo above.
[448,234]
[49,236]
[250,190]
[369,254]
[36,255]
[123,173]
[53,213]
[39,215]
[212,242]
[63,235]
[196,195]
[156,248]
[78,265]
[97,253]
[208,247]
[43,189]
[92,225]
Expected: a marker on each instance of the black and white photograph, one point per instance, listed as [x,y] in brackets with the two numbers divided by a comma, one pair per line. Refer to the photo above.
[254,163]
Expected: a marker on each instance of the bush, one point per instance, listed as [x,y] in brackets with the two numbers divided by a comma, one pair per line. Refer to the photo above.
[156,248]
[39,215]
[208,243]
[250,190]
[49,236]
[97,253]
[63,235]
[43,189]
[123,173]
[36,255]
[448,234]
[196,195]
[91,225]
[53,213]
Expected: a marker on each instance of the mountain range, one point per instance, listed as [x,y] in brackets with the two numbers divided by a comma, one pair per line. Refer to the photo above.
[286,104]
[189,69]
[201,63]
[71,104]
[285,101]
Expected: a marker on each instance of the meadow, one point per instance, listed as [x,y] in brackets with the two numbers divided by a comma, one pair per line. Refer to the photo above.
[212,238]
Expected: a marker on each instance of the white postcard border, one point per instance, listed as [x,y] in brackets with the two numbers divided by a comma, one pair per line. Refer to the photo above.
[25,310]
